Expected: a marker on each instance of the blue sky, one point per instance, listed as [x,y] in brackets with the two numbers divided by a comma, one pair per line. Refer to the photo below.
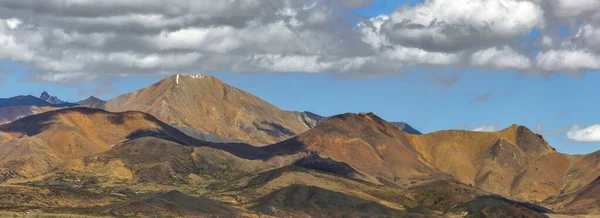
[428,97]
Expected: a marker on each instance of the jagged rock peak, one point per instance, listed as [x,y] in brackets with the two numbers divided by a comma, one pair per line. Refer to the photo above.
[50,99]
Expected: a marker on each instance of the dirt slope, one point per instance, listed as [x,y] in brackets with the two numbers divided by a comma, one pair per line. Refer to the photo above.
[207,104]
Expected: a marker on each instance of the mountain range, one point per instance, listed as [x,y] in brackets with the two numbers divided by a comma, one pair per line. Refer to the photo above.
[193,146]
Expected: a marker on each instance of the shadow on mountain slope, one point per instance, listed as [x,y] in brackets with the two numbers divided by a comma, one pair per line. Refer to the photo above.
[494,206]
[172,203]
[302,200]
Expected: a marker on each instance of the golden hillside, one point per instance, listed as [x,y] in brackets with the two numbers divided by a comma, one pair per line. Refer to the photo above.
[37,144]
[364,141]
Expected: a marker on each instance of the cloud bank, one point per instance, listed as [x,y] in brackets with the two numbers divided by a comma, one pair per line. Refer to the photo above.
[587,134]
[75,40]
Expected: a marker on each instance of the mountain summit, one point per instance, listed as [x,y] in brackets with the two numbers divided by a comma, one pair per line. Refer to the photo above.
[50,99]
[207,104]
[92,102]
[365,142]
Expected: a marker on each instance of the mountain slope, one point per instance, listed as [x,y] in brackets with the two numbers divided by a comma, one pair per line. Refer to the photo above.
[511,162]
[172,203]
[406,128]
[352,164]
[489,160]
[514,162]
[92,102]
[580,186]
[207,104]
[204,136]
[365,142]
[310,119]
[12,113]
[155,160]
[37,144]
[310,201]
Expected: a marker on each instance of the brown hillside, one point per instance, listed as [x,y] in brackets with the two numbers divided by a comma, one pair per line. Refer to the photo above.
[365,142]
[310,201]
[205,103]
[513,162]
[583,201]
[12,113]
[92,102]
[155,160]
[580,186]
[493,161]
[37,144]
[172,203]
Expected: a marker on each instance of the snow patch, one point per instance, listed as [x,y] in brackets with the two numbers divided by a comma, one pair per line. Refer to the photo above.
[197,76]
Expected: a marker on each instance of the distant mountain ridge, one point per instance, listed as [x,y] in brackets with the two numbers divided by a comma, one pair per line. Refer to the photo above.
[92,102]
[18,107]
[50,99]
[312,120]
[30,100]
[23,101]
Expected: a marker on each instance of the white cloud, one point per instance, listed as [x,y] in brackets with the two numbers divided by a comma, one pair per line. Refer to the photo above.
[588,134]
[547,41]
[69,40]
[504,58]
[486,128]
[13,23]
[567,60]
[458,24]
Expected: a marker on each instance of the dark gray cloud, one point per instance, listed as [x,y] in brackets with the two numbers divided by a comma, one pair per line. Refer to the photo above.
[74,40]
[352,3]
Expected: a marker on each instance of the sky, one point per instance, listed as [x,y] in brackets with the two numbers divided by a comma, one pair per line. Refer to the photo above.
[437,64]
